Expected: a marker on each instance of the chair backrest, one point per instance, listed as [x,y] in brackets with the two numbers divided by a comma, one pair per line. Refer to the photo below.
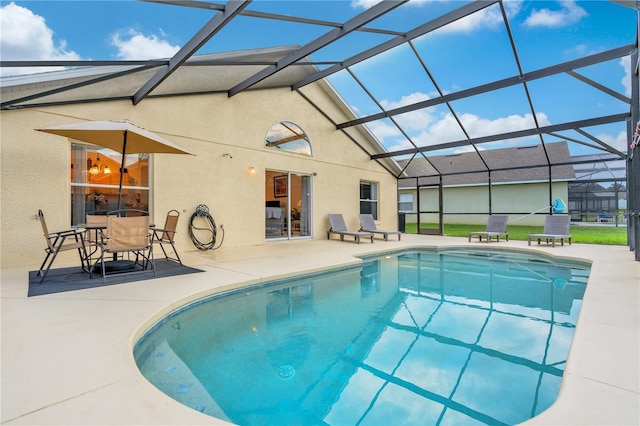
[170,225]
[127,233]
[128,212]
[45,230]
[367,222]
[95,220]
[337,222]
[557,224]
[497,223]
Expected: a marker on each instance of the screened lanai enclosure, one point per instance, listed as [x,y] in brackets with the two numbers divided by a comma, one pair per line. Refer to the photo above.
[476,107]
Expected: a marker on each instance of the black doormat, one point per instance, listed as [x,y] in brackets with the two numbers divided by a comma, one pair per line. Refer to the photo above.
[69,279]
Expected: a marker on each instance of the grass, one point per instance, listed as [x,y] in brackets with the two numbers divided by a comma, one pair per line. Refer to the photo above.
[607,235]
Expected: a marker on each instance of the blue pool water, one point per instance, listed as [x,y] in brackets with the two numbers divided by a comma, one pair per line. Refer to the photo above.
[416,337]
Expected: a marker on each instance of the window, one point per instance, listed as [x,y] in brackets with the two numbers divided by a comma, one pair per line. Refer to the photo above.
[288,136]
[405,203]
[95,177]
[369,198]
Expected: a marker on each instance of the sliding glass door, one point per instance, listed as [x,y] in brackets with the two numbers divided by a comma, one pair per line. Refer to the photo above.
[287,205]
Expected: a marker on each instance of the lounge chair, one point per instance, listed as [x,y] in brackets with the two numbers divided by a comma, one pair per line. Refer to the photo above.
[57,242]
[339,227]
[367,224]
[126,234]
[166,234]
[556,227]
[496,226]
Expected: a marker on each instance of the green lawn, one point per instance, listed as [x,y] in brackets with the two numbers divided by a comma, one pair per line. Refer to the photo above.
[610,235]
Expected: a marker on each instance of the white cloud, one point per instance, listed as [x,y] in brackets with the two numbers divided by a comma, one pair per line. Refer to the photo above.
[578,50]
[477,127]
[619,142]
[568,14]
[415,119]
[489,17]
[25,36]
[446,129]
[384,130]
[405,100]
[363,4]
[626,80]
[133,45]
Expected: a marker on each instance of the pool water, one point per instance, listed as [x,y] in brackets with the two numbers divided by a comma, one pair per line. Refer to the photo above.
[415,337]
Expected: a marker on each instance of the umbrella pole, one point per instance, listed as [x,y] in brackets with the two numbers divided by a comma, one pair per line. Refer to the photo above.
[124,151]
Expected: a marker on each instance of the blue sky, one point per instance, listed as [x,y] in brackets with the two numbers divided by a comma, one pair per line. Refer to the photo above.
[471,52]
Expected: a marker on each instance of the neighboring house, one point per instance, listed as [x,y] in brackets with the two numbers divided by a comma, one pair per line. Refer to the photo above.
[267,163]
[468,198]
[590,201]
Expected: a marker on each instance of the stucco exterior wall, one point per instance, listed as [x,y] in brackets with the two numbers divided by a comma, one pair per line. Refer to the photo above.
[36,175]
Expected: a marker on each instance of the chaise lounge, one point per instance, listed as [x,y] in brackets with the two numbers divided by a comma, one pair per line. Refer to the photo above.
[339,227]
[556,227]
[367,224]
[496,226]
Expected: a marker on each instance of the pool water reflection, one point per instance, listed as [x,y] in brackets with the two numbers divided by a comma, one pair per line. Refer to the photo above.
[419,337]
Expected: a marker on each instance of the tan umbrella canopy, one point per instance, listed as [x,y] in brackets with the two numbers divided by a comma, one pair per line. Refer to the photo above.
[120,136]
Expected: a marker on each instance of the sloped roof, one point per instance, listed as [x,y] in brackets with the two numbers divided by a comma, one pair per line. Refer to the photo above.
[210,73]
[508,165]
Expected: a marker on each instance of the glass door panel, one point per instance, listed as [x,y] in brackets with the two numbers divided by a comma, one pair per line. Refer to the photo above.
[301,205]
[276,204]
[288,205]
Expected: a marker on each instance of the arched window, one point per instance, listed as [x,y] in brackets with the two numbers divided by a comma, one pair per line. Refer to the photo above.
[288,136]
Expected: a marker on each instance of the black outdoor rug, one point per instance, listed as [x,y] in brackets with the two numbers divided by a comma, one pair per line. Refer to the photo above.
[69,279]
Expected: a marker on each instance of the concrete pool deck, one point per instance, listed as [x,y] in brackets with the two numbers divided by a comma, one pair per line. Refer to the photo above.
[67,358]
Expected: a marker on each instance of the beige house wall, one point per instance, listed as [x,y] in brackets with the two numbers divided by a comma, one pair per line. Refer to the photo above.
[35,168]
[466,204]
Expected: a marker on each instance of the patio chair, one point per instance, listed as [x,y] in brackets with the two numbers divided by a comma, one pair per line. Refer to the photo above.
[496,226]
[126,234]
[57,242]
[367,224]
[93,224]
[166,234]
[339,227]
[556,227]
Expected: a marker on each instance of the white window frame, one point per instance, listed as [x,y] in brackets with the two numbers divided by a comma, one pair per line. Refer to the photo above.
[406,202]
[374,191]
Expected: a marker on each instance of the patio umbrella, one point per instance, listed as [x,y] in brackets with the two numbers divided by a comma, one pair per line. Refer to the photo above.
[120,136]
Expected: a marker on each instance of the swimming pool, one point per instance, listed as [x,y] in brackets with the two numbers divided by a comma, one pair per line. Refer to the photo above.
[453,336]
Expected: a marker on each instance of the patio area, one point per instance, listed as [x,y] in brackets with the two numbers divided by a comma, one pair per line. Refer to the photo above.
[67,357]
